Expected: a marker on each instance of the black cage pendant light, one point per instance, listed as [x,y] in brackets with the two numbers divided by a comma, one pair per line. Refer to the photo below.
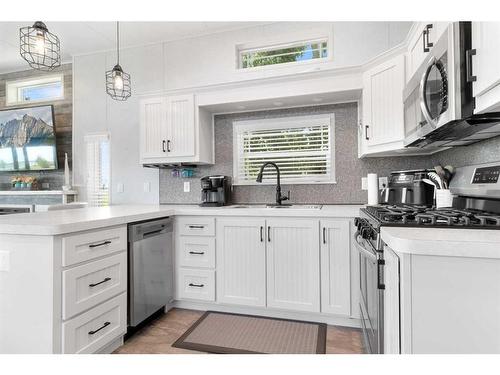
[39,47]
[117,81]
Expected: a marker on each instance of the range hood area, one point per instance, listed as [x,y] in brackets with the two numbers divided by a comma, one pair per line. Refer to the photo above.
[462,132]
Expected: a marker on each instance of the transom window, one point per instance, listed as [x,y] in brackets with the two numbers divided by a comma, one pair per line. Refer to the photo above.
[37,89]
[302,147]
[283,53]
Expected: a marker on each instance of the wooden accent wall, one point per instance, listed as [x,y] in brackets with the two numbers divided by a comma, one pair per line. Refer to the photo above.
[63,114]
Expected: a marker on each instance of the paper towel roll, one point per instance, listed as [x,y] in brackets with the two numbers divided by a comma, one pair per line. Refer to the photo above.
[372,188]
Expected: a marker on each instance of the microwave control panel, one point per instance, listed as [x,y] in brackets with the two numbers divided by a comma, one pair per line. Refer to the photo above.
[486,175]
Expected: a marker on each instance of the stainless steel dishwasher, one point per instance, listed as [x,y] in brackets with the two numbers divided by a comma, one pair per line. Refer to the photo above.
[150,257]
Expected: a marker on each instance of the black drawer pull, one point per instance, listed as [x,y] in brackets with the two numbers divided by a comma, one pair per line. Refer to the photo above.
[98,329]
[197,252]
[197,285]
[196,226]
[99,244]
[100,282]
[324,235]
[366,132]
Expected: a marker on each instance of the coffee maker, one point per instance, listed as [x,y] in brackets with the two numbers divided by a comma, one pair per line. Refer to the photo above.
[215,191]
[408,187]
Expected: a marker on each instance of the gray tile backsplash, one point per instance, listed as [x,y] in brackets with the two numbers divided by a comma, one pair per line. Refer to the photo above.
[349,169]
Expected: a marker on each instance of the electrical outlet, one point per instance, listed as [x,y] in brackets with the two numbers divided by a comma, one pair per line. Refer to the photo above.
[382,182]
[187,187]
[119,187]
[4,261]
[147,187]
[45,186]
[364,183]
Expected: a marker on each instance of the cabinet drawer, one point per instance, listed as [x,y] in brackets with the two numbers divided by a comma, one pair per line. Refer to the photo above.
[196,284]
[80,247]
[196,251]
[88,285]
[96,328]
[196,226]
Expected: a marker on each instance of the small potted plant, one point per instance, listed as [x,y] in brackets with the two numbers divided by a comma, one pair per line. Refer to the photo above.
[16,182]
[30,182]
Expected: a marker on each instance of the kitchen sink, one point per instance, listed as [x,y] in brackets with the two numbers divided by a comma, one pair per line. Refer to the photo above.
[294,206]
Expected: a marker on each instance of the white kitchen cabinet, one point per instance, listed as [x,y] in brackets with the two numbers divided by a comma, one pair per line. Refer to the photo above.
[391,302]
[382,112]
[335,267]
[241,261]
[485,65]
[420,44]
[153,128]
[175,130]
[293,270]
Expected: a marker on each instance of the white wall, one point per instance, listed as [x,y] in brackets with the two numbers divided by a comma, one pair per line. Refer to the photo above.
[212,59]
[194,62]
[95,111]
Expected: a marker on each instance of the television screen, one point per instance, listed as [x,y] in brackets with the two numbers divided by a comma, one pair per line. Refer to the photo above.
[27,139]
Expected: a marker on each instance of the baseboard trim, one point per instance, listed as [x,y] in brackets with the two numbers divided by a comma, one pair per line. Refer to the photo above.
[274,313]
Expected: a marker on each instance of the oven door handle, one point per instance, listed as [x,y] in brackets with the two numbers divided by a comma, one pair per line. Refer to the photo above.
[365,252]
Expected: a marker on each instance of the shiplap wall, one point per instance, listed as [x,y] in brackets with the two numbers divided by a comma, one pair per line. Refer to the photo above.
[63,113]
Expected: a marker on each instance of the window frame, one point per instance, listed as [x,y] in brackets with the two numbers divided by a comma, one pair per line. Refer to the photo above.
[14,87]
[283,123]
[240,49]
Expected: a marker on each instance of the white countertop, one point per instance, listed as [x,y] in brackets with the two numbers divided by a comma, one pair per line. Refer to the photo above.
[475,243]
[75,220]
[38,192]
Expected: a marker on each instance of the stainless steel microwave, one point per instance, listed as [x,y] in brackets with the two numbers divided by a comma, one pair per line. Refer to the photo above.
[438,99]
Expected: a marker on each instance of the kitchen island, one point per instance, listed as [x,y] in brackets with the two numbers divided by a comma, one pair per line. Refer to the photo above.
[52,263]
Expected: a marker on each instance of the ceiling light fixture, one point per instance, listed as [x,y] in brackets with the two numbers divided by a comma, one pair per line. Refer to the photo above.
[39,47]
[117,81]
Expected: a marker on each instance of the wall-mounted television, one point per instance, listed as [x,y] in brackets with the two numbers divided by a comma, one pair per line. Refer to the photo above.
[27,139]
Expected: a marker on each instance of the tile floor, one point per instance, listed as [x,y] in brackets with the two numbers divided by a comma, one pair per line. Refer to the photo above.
[158,336]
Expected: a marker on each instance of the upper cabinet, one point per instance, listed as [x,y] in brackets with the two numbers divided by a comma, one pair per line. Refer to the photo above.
[174,130]
[421,40]
[382,125]
[485,65]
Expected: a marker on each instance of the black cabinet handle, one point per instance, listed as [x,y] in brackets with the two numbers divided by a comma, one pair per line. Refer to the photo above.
[261,234]
[99,244]
[366,132]
[196,226]
[168,145]
[100,282]
[468,65]
[324,235]
[197,285]
[163,143]
[97,330]
[428,44]
[268,234]
[197,252]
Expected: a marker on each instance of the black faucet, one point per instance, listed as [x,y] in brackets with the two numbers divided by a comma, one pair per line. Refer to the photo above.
[279,197]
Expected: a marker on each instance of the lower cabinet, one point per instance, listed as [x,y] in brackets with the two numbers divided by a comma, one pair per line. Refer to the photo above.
[241,261]
[335,267]
[293,264]
[391,302]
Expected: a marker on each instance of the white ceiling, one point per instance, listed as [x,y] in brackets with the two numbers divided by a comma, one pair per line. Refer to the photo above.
[85,37]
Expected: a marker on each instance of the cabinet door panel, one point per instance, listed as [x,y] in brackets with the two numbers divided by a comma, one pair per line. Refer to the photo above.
[335,267]
[241,261]
[383,102]
[486,88]
[293,264]
[153,128]
[391,302]
[181,125]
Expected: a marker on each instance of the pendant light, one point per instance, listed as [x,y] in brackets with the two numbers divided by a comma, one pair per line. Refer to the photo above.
[117,81]
[39,47]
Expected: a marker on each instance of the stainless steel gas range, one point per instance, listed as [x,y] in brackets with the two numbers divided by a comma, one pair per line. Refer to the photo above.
[475,206]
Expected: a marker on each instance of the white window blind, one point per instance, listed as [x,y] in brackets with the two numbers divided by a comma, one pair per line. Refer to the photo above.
[98,169]
[302,147]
